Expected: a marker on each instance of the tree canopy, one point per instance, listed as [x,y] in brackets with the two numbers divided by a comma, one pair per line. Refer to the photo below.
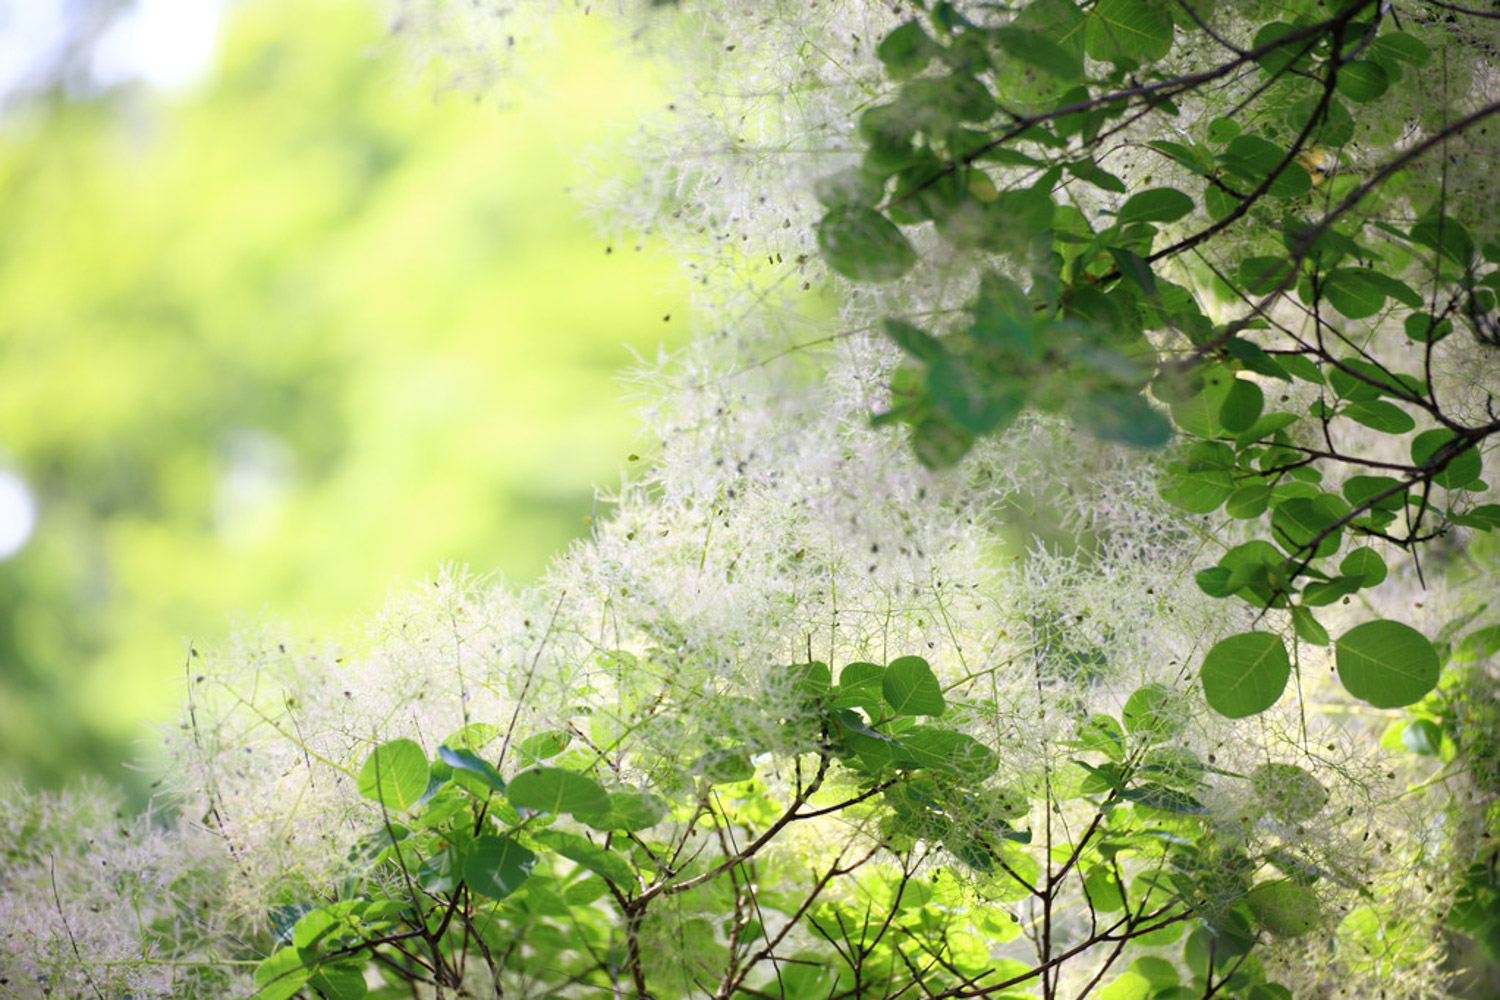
[1060,567]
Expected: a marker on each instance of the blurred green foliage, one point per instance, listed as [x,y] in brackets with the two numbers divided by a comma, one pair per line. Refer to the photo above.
[284,342]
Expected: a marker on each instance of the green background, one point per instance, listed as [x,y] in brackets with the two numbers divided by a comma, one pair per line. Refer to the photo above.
[278,345]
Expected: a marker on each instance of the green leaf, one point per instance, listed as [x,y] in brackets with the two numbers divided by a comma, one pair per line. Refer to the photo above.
[282,974]
[1221,130]
[1362,80]
[1245,674]
[1263,275]
[1461,471]
[600,860]
[1288,792]
[1444,234]
[1161,204]
[860,686]
[340,981]
[395,775]
[1480,644]
[1297,522]
[557,790]
[863,245]
[1248,501]
[1307,627]
[1423,736]
[1123,416]
[906,51]
[1253,158]
[912,339]
[1425,329]
[1377,414]
[1128,30]
[1038,50]
[1358,490]
[1399,46]
[1350,291]
[1364,564]
[975,403]
[1154,711]
[939,444]
[1241,406]
[540,747]
[911,688]
[496,866]
[1284,908]
[630,811]
[1386,663]
[952,751]
[467,760]
[1090,172]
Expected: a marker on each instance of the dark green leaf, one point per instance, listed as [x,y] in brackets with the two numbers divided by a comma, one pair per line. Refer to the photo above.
[912,339]
[1245,674]
[1362,80]
[863,245]
[1386,663]
[911,688]
[1462,469]
[905,51]
[340,981]
[1248,501]
[496,866]
[1136,31]
[939,444]
[466,760]
[1379,415]
[1444,234]
[1423,736]
[1352,293]
[599,860]
[1161,204]
[1038,50]
[1242,406]
[1262,275]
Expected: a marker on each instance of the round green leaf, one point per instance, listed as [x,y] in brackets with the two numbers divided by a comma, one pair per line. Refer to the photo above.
[1242,406]
[863,245]
[395,775]
[1244,674]
[911,688]
[1283,907]
[557,790]
[496,866]
[1365,564]
[1386,663]
[1362,80]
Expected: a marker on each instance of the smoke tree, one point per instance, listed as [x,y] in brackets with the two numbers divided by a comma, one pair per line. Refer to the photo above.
[1057,569]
